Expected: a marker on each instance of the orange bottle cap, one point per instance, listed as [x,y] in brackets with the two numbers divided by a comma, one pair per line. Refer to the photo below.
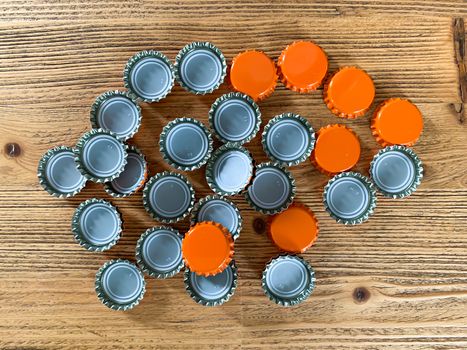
[337,149]
[207,248]
[253,73]
[397,122]
[349,92]
[303,66]
[294,230]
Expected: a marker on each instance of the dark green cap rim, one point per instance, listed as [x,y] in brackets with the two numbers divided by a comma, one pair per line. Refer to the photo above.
[210,168]
[139,256]
[147,203]
[299,298]
[163,139]
[104,97]
[103,296]
[230,96]
[303,122]
[43,179]
[199,45]
[76,230]
[135,59]
[291,196]
[194,213]
[199,300]
[371,198]
[417,165]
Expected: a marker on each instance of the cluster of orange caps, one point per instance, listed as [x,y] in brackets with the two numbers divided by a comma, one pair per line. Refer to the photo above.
[348,93]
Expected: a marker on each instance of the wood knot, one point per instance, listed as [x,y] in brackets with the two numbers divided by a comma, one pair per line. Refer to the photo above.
[361,295]
[259,225]
[12,150]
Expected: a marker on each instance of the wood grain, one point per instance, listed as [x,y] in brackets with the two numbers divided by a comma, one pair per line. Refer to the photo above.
[398,281]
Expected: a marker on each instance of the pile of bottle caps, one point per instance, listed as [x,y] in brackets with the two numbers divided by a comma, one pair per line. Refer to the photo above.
[206,251]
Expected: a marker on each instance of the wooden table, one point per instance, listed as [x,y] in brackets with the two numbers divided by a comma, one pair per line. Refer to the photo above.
[398,281]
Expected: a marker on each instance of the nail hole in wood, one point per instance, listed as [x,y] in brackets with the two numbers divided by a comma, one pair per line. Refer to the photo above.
[361,295]
[259,225]
[12,150]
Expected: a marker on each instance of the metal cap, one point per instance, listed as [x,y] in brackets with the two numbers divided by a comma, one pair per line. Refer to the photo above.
[272,189]
[235,117]
[133,177]
[96,225]
[350,198]
[396,171]
[159,252]
[212,290]
[229,170]
[185,144]
[149,75]
[100,156]
[58,174]
[168,197]
[288,139]
[200,68]
[288,280]
[218,209]
[120,285]
[117,112]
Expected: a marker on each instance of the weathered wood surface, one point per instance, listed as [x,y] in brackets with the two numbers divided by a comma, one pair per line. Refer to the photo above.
[398,281]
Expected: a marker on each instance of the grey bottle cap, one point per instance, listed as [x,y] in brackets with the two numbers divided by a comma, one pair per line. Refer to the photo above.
[272,189]
[229,170]
[118,112]
[185,144]
[100,156]
[159,252]
[212,290]
[120,285]
[168,197]
[149,75]
[218,209]
[396,171]
[133,176]
[288,139]
[200,67]
[235,117]
[288,280]
[96,225]
[58,174]
[350,198]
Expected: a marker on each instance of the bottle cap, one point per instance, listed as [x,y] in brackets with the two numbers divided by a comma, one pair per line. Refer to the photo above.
[200,68]
[100,156]
[396,171]
[288,139]
[58,174]
[96,225]
[117,112]
[253,73]
[132,178]
[207,248]
[397,122]
[303,66]
[350,198]
[235,117]
[229,170]
[120,285]
[337,149]
[218,209]
[212,290]
[149,75]
[272,189]
[168,197]
[288,280]
[349,92]
[159,252]
[185,144]
[294,230]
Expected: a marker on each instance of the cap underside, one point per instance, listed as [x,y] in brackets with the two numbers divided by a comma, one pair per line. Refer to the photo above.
[99,224]
[288,140]
[200,69]
[132,176]
[119,115]
[348,198]
[122,283]
[170,197]
[212,287]
[393,172]
[219,211]
[270,188]
[62,174]
[234,119]
[232,171]
[287,278]
[186,144]
[103,156]
[162,251]
[151,78]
